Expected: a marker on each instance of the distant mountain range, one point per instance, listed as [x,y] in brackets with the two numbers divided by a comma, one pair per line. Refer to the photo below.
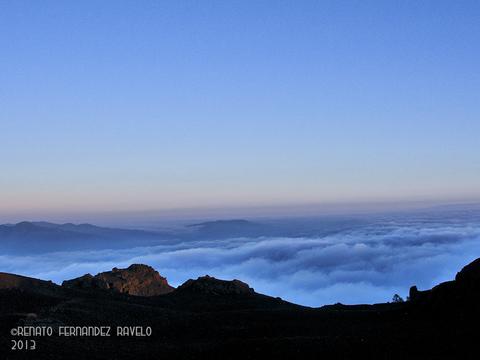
[35,237]
[230,228]
[42,237]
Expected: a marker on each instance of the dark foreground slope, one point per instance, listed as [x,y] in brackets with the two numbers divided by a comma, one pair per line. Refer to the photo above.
[214,319]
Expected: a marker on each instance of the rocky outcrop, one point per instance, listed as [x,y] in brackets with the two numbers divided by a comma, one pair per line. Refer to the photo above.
[216,319]
[12,281]
[87,281]
[211,286]
[139,280]
[470,273]
[415,294]
[458,294]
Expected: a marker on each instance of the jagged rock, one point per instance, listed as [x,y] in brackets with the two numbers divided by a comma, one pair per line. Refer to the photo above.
[413,293]
[137,279]
[209,285]
[87,281]
[470,273]
[205,318]
[458,294]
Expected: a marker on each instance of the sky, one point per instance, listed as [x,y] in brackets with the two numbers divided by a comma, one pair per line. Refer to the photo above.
[157,105]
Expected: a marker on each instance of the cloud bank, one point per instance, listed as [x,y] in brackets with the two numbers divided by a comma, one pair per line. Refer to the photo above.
[365,264]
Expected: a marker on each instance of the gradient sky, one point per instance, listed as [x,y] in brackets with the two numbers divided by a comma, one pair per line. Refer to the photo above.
[129,105]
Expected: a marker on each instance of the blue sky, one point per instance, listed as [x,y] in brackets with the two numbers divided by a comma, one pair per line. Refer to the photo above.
[138,105]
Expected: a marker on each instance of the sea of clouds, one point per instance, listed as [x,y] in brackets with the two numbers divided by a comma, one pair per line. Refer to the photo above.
[367,263]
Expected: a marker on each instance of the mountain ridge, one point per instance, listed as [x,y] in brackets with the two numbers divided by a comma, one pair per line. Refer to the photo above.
[218,319]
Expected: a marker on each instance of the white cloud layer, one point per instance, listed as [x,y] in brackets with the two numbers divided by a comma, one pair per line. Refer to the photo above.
[366,264]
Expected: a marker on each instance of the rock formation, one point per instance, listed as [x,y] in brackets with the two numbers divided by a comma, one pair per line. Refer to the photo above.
[209,285]
[470,273]
[209,318]
[12,281]
[139,280]
[465,289]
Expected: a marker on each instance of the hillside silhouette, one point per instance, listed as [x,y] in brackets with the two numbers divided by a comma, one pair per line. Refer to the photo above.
[219,319]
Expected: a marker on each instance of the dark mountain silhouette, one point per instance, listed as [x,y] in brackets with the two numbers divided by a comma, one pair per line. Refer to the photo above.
[290,227]
[29,237]
[209,318]
[12,281]
[223,229]
[211,286]
[42,237]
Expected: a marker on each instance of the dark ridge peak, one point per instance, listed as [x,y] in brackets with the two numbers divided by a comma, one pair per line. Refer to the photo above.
[134,268]
[84,225]
[48,224]
[212,286]
[87,225]
[223,229]
[24,226]
[43,223]
[72,225]
[223,222]
[78,227]
[466,287]
[139,267]
[470,272]
[12,281]
[137,279]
